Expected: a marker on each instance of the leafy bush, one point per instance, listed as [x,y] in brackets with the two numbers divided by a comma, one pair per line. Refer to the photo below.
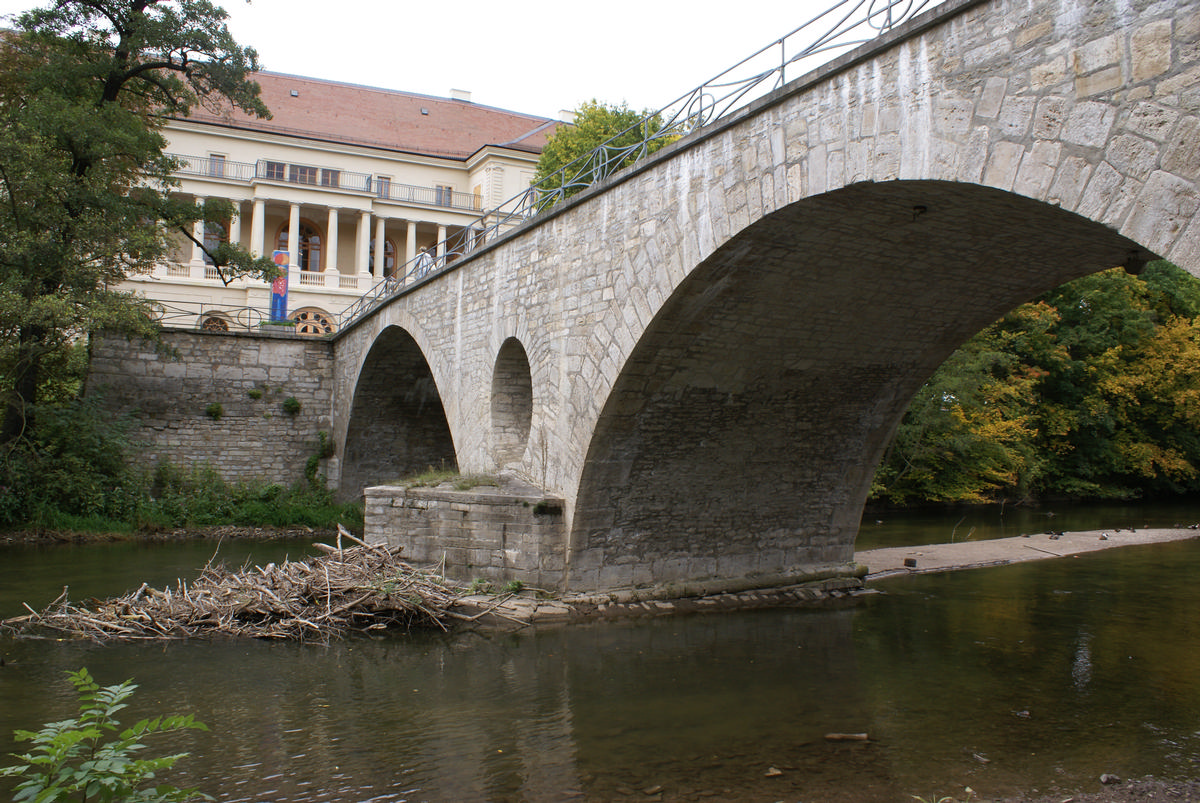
[79,759]
[75,463]
[200,497]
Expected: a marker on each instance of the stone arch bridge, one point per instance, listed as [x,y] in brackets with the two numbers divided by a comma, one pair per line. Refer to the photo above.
[704,357]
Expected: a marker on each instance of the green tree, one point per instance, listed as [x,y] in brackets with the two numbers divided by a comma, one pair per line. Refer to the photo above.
[970,433]
[85,185]
[1091,391]
[602,140]
[1117,415]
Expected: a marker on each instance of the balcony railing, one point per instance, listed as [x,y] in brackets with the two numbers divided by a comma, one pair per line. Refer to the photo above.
[213,167]
[329,177]
[210,317]
[432,196]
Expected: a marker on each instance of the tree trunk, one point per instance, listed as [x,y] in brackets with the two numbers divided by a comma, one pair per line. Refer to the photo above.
[18,413]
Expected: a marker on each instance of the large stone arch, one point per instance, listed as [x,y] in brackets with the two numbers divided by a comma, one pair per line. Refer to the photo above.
[397,423]
[742,433]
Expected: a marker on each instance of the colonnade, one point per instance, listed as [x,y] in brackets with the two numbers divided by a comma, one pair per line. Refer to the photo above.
[370,237]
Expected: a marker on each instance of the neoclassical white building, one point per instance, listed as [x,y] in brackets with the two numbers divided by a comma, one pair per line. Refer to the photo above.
[351,181]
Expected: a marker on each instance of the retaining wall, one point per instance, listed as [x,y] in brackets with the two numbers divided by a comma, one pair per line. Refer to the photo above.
[170,392]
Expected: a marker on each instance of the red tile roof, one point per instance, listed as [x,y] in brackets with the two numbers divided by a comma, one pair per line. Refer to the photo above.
[384,118]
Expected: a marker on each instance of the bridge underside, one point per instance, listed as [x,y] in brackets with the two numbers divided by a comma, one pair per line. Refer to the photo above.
[742,434]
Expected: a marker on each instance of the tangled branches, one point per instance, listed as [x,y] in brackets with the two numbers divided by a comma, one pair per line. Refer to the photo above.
[362,588]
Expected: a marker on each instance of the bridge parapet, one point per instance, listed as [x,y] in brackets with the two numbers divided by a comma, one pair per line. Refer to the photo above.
[842,25]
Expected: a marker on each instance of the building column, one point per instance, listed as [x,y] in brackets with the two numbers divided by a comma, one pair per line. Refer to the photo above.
[441,245]
[362,244]
[331,242]
[410,242]
[258,215]
[196,264]
[380,226]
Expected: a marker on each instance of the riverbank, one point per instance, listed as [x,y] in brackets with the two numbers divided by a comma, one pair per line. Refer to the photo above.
[893,561]
[217,532]
[534,607]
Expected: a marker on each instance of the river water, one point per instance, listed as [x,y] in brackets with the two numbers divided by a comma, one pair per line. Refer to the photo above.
[1033,676]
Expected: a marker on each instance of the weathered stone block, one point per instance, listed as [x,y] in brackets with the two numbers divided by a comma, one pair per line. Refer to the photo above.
[1150,50]
[1089,124]
[1099,82]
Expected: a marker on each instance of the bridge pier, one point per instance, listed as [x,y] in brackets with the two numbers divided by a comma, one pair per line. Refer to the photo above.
[513,533]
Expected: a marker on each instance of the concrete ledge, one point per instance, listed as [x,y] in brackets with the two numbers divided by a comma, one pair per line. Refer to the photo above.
[835,573]
[927,558]
[519,610]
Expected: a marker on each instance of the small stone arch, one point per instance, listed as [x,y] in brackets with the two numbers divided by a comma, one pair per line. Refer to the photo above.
[397,423]
[512,403]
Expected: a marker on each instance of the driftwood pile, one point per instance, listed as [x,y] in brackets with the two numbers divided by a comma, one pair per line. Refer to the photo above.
[361,588]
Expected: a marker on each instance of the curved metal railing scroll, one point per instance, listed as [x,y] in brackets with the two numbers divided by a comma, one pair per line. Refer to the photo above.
[842,26]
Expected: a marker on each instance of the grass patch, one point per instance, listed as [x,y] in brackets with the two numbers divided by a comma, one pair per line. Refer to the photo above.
[69,525]
[433,477]
[466,482]
[200,497]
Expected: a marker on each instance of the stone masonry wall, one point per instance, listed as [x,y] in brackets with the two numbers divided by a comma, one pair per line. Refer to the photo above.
[169,391]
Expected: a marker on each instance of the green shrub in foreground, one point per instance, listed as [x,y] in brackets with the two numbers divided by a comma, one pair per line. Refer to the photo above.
[88,759]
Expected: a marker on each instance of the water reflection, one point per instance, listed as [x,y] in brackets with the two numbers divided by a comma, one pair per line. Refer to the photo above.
[882,527]
[1039,675]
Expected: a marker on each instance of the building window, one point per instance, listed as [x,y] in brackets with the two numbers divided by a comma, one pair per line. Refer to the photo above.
[383,187]
[331,178]
[309,245]
[275,171]
[389,259]
[302,174]
[216,165]
[443,195]
[214,235]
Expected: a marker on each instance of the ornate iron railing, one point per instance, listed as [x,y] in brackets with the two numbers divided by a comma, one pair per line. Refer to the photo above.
[844,25]
[207,316]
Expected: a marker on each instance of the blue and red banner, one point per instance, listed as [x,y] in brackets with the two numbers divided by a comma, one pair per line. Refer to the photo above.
[279,287]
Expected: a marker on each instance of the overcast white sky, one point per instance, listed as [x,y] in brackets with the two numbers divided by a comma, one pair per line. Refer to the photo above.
[535,56]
